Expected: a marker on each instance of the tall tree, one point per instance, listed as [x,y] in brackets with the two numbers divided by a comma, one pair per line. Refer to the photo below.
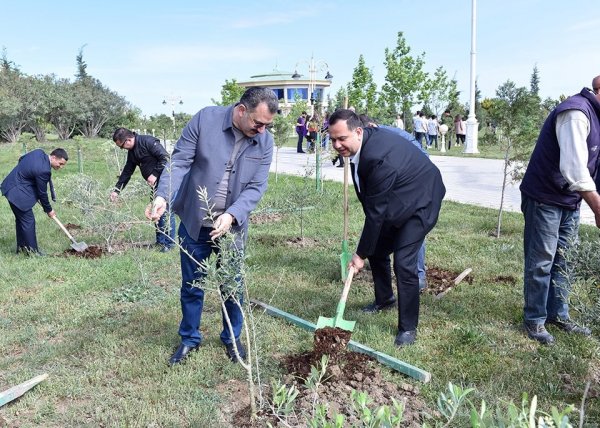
[82,73]
[231,93]
[405,78]
[534,85]
[362,90]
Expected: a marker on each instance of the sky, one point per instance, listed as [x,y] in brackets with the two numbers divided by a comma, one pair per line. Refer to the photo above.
[182,49]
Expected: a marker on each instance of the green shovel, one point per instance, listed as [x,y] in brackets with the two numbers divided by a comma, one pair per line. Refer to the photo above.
[338,320]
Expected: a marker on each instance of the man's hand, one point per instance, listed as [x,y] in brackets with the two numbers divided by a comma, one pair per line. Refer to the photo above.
[151,180]
[114,196]
[156,209]
[593,200]
[52,214]
[222,224]
[357,263]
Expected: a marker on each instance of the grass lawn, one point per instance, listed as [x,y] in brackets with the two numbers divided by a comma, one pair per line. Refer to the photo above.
[104,328]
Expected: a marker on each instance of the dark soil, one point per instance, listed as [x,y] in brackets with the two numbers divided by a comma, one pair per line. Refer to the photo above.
[298,242]
[346,371]
[91,252]
[440,280]
[71,226]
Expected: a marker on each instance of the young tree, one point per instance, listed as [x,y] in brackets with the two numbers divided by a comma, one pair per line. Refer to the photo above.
[440,91]
[362,90]
[514,113]
[405,77]
[231,93]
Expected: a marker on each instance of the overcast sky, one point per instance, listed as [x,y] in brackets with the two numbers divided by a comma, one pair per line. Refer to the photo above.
[148,51]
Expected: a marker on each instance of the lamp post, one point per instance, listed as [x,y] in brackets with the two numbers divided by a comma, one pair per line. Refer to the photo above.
[172,100]
[313,67]
[472,124]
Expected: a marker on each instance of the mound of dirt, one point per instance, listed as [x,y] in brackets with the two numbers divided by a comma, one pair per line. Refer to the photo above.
[439,280]
[91,252]
[346,371]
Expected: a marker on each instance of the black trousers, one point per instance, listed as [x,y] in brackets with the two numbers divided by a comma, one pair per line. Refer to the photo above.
[407,281]
[25,226]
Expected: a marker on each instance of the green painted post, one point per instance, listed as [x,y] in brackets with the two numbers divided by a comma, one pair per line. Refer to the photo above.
[23,148]
[318,184]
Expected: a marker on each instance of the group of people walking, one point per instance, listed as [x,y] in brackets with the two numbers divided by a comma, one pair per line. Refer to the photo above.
[428,129]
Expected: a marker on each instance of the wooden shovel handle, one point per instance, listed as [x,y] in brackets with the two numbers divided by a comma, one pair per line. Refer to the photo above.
[347,285]
[64,229]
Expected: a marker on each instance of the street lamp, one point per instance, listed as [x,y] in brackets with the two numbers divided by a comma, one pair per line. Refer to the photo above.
[172,100]
[472,124]
[313,67]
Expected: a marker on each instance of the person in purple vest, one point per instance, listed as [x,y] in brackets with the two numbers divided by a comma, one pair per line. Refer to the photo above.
[562,171]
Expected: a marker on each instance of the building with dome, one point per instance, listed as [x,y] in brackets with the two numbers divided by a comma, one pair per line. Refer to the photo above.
[290,86]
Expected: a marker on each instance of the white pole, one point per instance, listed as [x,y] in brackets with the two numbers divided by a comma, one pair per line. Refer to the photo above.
[472,124]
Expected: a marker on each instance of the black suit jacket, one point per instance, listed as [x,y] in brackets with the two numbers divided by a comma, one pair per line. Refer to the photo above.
[28,181]
[401,192]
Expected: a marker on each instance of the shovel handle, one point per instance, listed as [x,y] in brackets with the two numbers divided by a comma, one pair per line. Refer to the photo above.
[64,229]
[347,286]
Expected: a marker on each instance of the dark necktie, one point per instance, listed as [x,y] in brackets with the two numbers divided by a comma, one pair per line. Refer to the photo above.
[52,194]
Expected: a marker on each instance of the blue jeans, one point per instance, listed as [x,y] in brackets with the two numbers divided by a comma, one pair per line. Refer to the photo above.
[165,234]
[421,262]
[192,298]
[549,231]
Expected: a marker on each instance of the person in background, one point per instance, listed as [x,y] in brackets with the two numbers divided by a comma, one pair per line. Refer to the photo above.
[313,130]
[433,129]
[461,130]
[27,185]
[401,192]
[447,120]
[226,151]
[145,152]
[562,171]
[399,123]
[301,131]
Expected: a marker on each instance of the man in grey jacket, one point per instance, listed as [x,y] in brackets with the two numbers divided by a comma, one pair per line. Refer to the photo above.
[226,151]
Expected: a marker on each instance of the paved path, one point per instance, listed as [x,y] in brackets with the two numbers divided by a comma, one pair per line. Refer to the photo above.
[474,181]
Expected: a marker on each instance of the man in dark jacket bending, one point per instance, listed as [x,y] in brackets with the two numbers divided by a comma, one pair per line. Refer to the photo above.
[401,192]
[146,152]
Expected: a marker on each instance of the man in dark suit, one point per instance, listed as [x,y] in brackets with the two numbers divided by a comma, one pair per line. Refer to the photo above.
[25,185]
[401,192]
[146,152]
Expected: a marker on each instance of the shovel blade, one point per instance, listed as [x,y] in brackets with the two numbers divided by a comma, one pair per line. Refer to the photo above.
[80,247]
[336,322]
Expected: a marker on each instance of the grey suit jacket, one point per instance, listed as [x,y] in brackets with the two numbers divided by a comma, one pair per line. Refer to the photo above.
[199,160]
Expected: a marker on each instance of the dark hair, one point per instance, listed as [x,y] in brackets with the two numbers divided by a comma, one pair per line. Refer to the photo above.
[349,116]
[366,120]
[121,134]
[60,153]
[256,95]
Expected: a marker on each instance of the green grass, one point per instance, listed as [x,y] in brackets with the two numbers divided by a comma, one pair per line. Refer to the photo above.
[103,329]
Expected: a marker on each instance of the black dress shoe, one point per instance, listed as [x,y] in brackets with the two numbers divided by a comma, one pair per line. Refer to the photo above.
[230,351]
[376,307]
[181,354]
[405,338]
